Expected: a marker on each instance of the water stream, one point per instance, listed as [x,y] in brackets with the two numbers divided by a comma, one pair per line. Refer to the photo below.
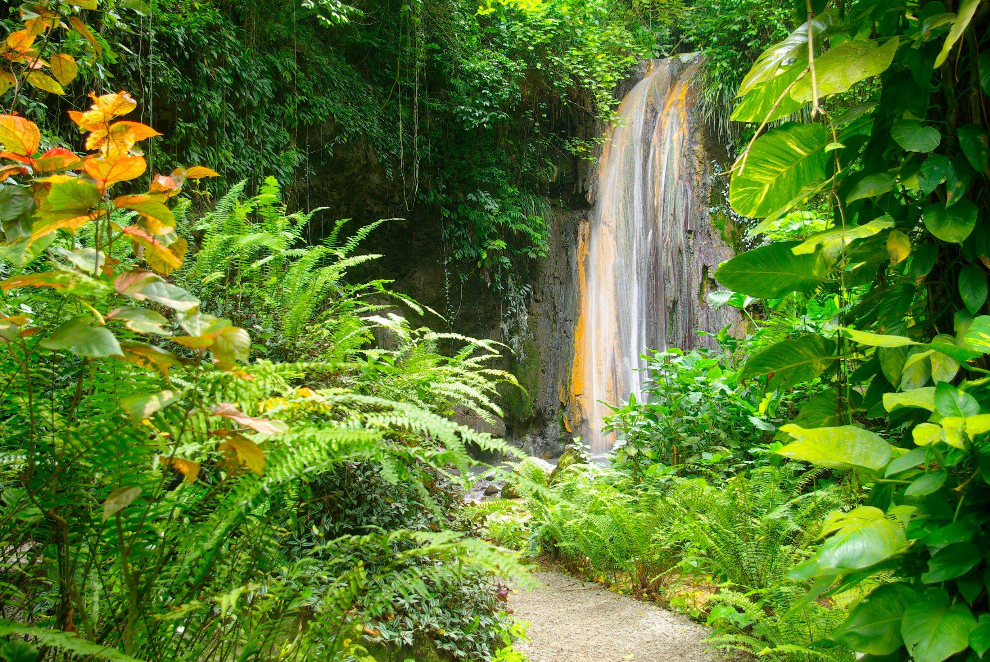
[646,255]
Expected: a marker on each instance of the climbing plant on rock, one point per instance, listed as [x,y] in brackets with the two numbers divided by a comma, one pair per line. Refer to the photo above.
[895,146]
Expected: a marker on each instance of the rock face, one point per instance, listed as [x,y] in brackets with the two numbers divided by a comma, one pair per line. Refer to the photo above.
[542,326]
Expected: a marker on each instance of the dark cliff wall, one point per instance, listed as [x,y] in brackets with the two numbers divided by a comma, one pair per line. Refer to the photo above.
[537,321]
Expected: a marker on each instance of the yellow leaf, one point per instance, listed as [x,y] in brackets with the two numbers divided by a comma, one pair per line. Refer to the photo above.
[44,82]
[19,135]
[198,172]
[81,28]
[248,452]
[64,68]
[898,246]
[187,468]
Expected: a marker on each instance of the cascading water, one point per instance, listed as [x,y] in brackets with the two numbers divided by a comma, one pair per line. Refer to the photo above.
[646,255]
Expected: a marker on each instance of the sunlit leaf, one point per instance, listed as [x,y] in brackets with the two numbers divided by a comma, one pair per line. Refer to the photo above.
[114,168]
[149,357]
[792,361]
[874,625]
[842,447]
[56,159]
[140,320]
[913,136]
[248,453]
[143,406]
[119,499]
[44,82]
[119,137]
[844,65]
[967,8]
[19,135]
[778,166]
[952,224]
[64,68]
[145,285]
[898,247]
[188,468]
[86,34]
[199,172]
[770,272]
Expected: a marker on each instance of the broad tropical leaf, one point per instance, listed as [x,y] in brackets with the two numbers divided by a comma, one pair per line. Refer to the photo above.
[778,166]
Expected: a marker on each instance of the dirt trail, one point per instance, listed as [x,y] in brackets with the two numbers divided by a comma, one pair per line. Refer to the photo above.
[571,620]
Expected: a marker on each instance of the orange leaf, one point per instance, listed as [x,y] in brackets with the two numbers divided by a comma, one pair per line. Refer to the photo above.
[165,186]
[115,168]
[11,170]
[81,28]
[103,110]
[187,468]
[19,135]
[120,137]
[262,425]
[21,40]
[57,280]
[64,68]
[161,257]
[198,172]
[55,159]
[159,218]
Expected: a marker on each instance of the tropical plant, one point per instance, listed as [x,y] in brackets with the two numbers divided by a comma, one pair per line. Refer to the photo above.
[144,490]
[904,175]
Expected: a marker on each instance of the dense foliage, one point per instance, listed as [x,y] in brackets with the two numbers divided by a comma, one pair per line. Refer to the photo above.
[161,495]
[867,295]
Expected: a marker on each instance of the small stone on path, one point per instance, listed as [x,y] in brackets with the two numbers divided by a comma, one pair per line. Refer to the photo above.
[573,620]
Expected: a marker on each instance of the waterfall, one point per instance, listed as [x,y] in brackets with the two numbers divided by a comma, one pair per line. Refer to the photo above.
[645,257]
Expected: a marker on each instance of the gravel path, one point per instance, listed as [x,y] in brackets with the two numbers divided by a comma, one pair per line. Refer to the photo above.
[570,620]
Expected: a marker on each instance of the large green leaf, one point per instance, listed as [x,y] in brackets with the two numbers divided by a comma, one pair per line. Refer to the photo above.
[922,398]
[758,104]
[770,272]
[979,639]
[863,537]
[842,447]
[933,629]
[957,180]
[874,625]
[952,224]
[950,401]
[792,361]
[952,561]
[845,65]
[913,136]
[832,241]
[871,186]
[963,17]
[79,336]
[784,54]
[778,166]
[978,334]
[974,144]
